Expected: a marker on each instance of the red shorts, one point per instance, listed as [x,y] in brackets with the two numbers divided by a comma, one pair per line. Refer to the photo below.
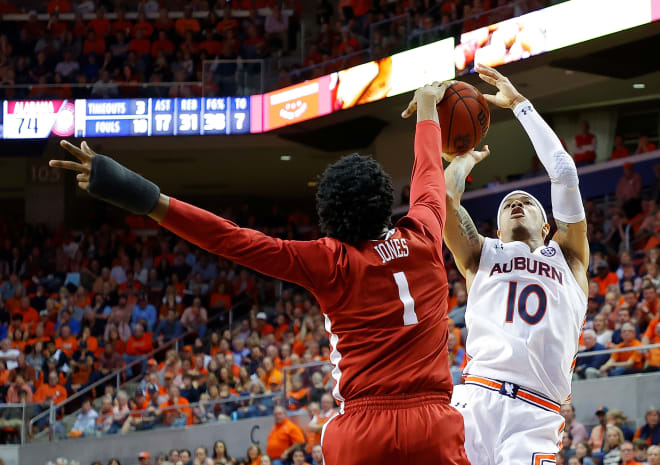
[404,429]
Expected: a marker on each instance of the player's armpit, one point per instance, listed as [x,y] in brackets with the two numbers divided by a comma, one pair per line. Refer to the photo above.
[462,238]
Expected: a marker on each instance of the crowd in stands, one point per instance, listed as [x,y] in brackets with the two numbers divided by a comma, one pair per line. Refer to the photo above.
[611,441]
[585,147]
[75,307]
[110,58]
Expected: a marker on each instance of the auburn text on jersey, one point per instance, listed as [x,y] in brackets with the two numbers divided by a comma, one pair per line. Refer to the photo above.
[531,266]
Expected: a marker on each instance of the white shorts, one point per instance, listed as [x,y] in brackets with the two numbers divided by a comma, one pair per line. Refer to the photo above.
[502,430]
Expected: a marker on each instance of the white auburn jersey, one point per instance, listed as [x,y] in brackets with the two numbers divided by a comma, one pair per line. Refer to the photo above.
[524,315]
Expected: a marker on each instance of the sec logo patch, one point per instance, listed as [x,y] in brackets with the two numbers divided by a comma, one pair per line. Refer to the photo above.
[548,252]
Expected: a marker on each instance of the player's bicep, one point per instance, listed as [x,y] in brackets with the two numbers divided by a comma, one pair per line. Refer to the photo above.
[572,237]
[462,238]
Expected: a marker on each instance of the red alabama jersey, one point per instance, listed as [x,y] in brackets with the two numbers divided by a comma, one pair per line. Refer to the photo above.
[384,301]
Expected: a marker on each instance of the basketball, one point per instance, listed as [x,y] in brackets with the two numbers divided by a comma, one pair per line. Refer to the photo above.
[464,118]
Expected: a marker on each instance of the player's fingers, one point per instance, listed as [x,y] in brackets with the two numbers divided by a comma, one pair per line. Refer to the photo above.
[483,69]
[447,157]
[75,151]
[412,106]
[84,185]
[489,79]
[490,98]
[82,177]
[485,151]
[67,165]
[86,149]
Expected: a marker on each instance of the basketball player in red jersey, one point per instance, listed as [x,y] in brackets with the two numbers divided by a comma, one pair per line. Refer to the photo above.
[383,291]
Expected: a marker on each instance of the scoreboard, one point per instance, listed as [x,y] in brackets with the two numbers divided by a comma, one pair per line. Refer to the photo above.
[162,116]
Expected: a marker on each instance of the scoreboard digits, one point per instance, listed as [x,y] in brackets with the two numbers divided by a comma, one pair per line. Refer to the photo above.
[161,116]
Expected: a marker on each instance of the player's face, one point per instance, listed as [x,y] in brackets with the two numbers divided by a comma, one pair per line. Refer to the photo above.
[521,219]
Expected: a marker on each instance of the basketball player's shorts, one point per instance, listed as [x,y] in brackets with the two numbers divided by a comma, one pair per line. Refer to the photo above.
[506,424]
[395,430]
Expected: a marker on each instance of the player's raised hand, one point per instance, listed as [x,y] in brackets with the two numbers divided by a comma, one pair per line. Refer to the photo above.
[435,90]
[84,155]
[507,95]
[110,181]
[473,156]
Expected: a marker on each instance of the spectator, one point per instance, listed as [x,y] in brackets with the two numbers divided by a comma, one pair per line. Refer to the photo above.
[138,345]
[51,391]
[628,454]
[297,397]
[168,329]
[603,335]
[195,318]
[644,146]
[284,437]
[17,390]
[624,316]
[650,431]
[620,150]
[143,26]
[624,362]
[653,455]
[457,314]
[629,191]
[613,441]
[145,458]
[583,453]
[176,409]
[577,429]
[276,27]
[221,456]
[639,447]
[585,146]
[317,455]
[146,313]
[100,25]
[67,343]
[253,455]
[298,456]
[85,421]
[589,367]
[617,418]
[187,23]
[201,457]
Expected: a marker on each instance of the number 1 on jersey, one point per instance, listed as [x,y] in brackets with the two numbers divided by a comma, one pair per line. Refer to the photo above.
[409,315]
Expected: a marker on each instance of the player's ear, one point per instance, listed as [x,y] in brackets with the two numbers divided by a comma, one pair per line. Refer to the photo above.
[545,230]
[499,234]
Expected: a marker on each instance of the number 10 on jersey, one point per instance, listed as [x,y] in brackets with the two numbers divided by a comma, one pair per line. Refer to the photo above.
[521,303]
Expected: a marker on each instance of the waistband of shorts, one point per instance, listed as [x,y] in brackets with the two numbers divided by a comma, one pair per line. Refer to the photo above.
[396,401]
[513,391]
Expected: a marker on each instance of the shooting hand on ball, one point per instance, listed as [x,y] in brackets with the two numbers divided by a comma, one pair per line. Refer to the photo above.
[507,96]
[432,93]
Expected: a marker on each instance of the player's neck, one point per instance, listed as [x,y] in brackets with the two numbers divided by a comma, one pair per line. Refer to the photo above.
[532,243]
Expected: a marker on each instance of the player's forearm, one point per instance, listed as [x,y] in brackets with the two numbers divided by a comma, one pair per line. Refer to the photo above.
[427,185]
[566,199]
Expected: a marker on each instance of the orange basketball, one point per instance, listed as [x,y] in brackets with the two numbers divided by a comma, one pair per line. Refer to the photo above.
[464,118]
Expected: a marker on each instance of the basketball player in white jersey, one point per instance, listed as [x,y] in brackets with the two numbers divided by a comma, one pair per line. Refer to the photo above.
[527,300]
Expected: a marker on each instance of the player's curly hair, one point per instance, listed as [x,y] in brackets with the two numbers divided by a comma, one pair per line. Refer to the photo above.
[354,199]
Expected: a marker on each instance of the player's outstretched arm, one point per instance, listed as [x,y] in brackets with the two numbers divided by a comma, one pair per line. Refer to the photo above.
[427,184]
[567,207]
[460,234]
[304,263]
